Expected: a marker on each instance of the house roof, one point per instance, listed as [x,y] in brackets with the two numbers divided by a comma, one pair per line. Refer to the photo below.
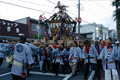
[57,18]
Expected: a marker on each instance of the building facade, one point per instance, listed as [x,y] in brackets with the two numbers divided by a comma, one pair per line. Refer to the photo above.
[112,33]
[33,26]
[12,30]
[94,31]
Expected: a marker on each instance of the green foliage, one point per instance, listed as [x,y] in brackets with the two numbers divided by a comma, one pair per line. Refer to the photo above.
[101,30]
[36,37]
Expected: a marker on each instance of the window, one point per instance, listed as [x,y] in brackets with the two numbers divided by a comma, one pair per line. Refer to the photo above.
[114,34]
[34,27]
[89,36]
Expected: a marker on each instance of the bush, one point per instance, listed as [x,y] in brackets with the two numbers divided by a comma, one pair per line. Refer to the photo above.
[36,37]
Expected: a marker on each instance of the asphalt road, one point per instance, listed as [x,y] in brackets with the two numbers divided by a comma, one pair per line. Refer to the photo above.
[35,74]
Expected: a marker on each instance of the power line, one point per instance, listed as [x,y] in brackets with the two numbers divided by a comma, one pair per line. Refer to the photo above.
[99,8]
[25,7]
[51,2]
[102,5]
[35,3]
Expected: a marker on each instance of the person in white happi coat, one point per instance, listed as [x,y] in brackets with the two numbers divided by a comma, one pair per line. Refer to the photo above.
[90,55]
[57,60]
[47,58]
[64,54]
[118,58]
[109,55]
[102,46]
[33,48]
[21,59]
[74,57]
[99,49]
[3,50]
[82,60]
[41,56]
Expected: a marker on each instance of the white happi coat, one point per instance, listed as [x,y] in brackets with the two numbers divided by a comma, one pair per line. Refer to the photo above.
[75,54]
[33,48]
[113,55]
[118,57]
[3,49]
[92,52]
[21,52]
[57,56]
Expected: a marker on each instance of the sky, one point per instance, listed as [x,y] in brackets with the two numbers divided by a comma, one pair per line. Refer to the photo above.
[98,11]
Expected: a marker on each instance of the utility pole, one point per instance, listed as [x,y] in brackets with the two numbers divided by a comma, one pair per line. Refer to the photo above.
[79,17]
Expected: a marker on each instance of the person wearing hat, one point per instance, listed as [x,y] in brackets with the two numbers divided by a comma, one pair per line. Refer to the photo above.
[109,55]
[90,55]
[22,60]
[118,58]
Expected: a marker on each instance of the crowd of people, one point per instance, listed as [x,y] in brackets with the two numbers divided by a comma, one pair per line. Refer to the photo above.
[70,57]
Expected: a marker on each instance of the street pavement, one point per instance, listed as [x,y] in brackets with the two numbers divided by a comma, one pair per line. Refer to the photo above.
[35,74]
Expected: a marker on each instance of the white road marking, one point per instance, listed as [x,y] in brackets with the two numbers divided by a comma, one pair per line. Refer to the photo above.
[5,74]
[91,75]
[40,73]
[49,74]
[67,76]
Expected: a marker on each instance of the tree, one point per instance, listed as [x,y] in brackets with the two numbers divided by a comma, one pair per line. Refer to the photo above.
[101,31]
[116,3]
[36,37]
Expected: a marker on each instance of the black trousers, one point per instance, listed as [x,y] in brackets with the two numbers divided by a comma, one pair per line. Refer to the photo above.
[78,65]
[64,67]
[46,63]
[55,67]
[99,64]
[86,70]
[36,59]
[117,64]
[1,61]
[15,77]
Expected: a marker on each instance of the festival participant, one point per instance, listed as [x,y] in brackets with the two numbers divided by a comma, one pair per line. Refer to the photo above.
[21,58]
[102,46]
[74,57]
[99,49]
[109,55]
[33,48]
[64,54]
[90,55]
[3,50]
[41,56]
[82,60]
[118,58]
[57,60]
[47,58]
